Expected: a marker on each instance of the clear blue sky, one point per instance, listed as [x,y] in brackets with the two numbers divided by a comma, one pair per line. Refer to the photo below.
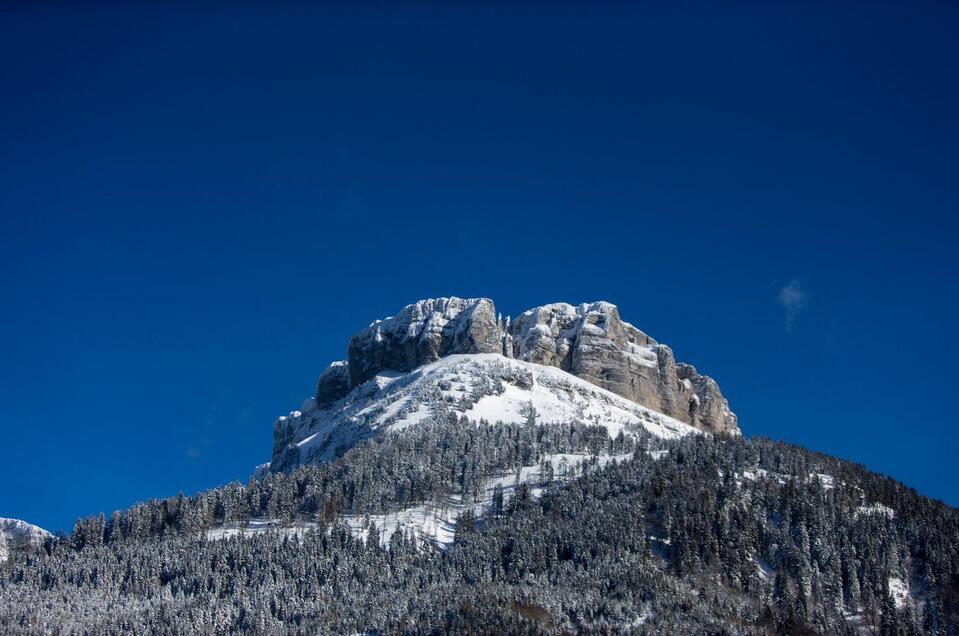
[198,207]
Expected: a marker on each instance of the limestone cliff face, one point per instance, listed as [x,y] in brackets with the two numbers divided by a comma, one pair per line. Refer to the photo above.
[590,341]
[334,383]
[419,334]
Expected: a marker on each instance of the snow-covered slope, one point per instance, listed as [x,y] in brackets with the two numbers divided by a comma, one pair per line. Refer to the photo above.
[479,387]
[18,537]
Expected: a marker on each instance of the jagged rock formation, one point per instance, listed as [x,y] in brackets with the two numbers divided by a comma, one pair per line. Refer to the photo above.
[19,537]
[334,383]
[424,332]
[590,341]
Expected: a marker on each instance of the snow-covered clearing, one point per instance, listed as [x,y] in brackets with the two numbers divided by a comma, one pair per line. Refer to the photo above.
[259,526]
[899,591]
[435,522]
[828,482]
[876,509]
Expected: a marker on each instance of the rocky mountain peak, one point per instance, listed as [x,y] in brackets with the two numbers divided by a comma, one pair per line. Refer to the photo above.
[590,341]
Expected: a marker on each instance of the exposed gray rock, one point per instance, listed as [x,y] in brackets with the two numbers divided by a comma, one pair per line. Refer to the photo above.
[708,408]
[333,384]
[590,341]
[424,332]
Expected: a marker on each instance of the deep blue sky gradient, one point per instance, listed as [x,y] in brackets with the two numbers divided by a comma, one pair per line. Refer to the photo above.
[199,206]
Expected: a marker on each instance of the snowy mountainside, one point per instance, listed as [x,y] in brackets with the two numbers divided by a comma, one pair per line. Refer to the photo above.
[488,387]
[18,536]
[432,523]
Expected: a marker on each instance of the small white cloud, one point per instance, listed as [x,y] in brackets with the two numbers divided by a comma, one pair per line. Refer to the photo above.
[792,298]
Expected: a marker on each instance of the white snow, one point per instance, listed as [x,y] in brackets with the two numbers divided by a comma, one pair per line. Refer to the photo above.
[828,481]
[761,473]
[557,396]
[899,591]
[876,509]
[415,417]
[258,526]
[488,387]
[642,618]
[901,598]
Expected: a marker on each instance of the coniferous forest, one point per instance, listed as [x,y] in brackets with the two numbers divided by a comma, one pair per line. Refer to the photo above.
[702,535]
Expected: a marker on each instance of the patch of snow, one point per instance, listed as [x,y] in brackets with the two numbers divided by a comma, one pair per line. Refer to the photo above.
[899,591]
[755,475]
[420,414]
[876,509]
[642,618]
[901,598]
[828,481]
[761,473]
[259,526]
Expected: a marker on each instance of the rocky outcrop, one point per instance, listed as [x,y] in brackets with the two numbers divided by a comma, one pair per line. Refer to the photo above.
[334,383]
[19,537]
[590,341]
[422,333]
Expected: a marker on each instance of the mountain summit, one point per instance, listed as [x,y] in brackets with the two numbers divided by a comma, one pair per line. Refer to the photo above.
[389,366]
[460,472]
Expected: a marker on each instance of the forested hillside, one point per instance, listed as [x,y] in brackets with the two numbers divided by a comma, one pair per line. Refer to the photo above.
[697,535]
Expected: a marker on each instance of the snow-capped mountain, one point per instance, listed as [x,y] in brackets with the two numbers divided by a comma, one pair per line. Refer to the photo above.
[461,472]
[557,363]
[17,537]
